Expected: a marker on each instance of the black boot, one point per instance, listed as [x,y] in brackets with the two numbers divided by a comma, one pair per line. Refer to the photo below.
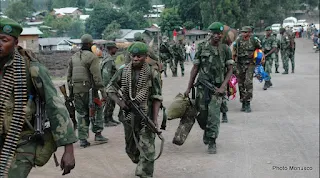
[277,70]
[270,84]
[292,71]
[224,118]
[243,108]
[165,74]
[84,143]
[266,85]
[212,147]
[248,108]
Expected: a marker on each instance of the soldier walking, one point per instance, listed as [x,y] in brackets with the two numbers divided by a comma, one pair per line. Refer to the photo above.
[166,55]
[84,73]
[245,47]
[22,144]
[276,59]
[108,69]
[285,50]
[269,47]
[178,51]
[213,63]
[140,83]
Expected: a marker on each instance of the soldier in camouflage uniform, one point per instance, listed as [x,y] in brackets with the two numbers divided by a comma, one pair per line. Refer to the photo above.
[108,69]
[83,72]
[292,48]
[178,52]
[285,50]
[245,47]
[269,47]
[166,55]
[19,69]
[138,38]
[276,59]
[145,84]
[213,63]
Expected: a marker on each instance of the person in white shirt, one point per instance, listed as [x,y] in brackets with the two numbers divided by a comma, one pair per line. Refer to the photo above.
[188,50]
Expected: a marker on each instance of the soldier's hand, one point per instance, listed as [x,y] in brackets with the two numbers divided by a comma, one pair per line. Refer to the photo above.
[186,93]
[67,161]
[123,105]
[220,91]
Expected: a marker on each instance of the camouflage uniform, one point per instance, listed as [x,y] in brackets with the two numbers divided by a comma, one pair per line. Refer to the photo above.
[276,59]
[83,70]
[268,43]
[178,50]
[285,52]
[245,68]
[292,49]
[166,57]
[146,138]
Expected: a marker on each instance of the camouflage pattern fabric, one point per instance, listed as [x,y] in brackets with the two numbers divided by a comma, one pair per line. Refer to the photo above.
[224,106]
[245,81]
[285,51]
[291,57]
[166,57]
[268,43]
[81,101]
[276,59]
[146,138]
[212,62]
[178,52]
[60,123]
[292,50]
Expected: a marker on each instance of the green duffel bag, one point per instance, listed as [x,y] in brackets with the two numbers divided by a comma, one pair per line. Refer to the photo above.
[178,107]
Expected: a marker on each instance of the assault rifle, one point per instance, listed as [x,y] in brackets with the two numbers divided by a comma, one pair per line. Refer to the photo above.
[210,87]
[94,102]
[69,104]
[40,117]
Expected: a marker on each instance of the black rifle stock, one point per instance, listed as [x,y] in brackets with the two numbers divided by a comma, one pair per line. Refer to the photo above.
[70,106]
[210,87]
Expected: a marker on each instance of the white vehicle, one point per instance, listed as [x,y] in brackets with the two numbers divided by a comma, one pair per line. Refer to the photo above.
[276,27]
[302,22]
[290,21]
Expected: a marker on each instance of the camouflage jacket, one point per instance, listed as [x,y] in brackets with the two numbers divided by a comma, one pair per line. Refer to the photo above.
[154,84]
[178,51]
[213,62]
[244,49]
[58,116]
[268,43]
[284,42]
[108,69]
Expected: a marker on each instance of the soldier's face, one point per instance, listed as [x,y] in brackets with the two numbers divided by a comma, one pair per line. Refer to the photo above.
[245,34]
[268,32]
[216,37]
[7,45]
[138,60]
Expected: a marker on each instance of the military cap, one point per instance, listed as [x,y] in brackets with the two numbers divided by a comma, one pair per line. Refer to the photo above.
[246,29]
[138,36]
[216,27]
[86,38]
[111,44]
[10,27]
[268,28]
[138,48]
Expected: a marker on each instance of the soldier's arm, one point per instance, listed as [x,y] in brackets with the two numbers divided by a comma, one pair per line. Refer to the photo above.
[156,96]
[96,75]
[60,122]
[113,86]
[229,64]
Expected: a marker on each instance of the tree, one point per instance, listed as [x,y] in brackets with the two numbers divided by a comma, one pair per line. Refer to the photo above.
[141,6]
[17,11]
[76,29]
[112,31]
[169,19]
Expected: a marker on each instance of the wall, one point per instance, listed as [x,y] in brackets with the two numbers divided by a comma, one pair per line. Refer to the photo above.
[29,42]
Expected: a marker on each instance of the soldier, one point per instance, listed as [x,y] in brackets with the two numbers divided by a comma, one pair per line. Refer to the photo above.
[213,63]
[83,73]
[276,59]
[285,50]
[108,69]
[25,84]
[270,45]
[245,47]
[166,55]
[138,38]
[145,79]
[178,50]
[292,48]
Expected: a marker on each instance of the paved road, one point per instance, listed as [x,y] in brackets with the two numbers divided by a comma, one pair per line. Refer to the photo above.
[281,131]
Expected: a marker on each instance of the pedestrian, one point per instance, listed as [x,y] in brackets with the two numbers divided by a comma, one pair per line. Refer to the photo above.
[213,65]
[24,84]
[84,73]
[178,52]
[244,47]
[188,50]
[269,47]
[108,69]
[285,50]
[145,89]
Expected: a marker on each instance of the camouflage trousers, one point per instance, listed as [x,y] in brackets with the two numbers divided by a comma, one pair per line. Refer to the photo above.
[176,62]
[224,106]
[285,58]
[268,64]
[291,57]
[108,110]
[245,81]
[166,60]
[209,116]
[276,60]
[81,102]
[146,139]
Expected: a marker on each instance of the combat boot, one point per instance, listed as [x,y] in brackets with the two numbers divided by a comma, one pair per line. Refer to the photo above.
[266,85]
[99,138]
[270,84]
[248,108]
[182,74]
[277,70]
[212,147]
[243,108]
[292,71]
[285,72]
[224,118]
[84,143]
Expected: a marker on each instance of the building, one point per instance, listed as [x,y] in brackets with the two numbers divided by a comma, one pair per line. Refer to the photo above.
[155,12]
[195,35]
[128,34]
[55,44]
[67,11]
[29,38]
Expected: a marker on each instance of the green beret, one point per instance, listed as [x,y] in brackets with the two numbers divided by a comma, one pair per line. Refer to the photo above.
[246,29]
[10,27]
[111,44]
[138,36]
[138,48]
[86,38]
[268,28]
[216,27]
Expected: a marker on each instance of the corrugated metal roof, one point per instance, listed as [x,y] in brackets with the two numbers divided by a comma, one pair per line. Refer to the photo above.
[51,41]
[130,35]
[152,29]
[31,31]
[65,10]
